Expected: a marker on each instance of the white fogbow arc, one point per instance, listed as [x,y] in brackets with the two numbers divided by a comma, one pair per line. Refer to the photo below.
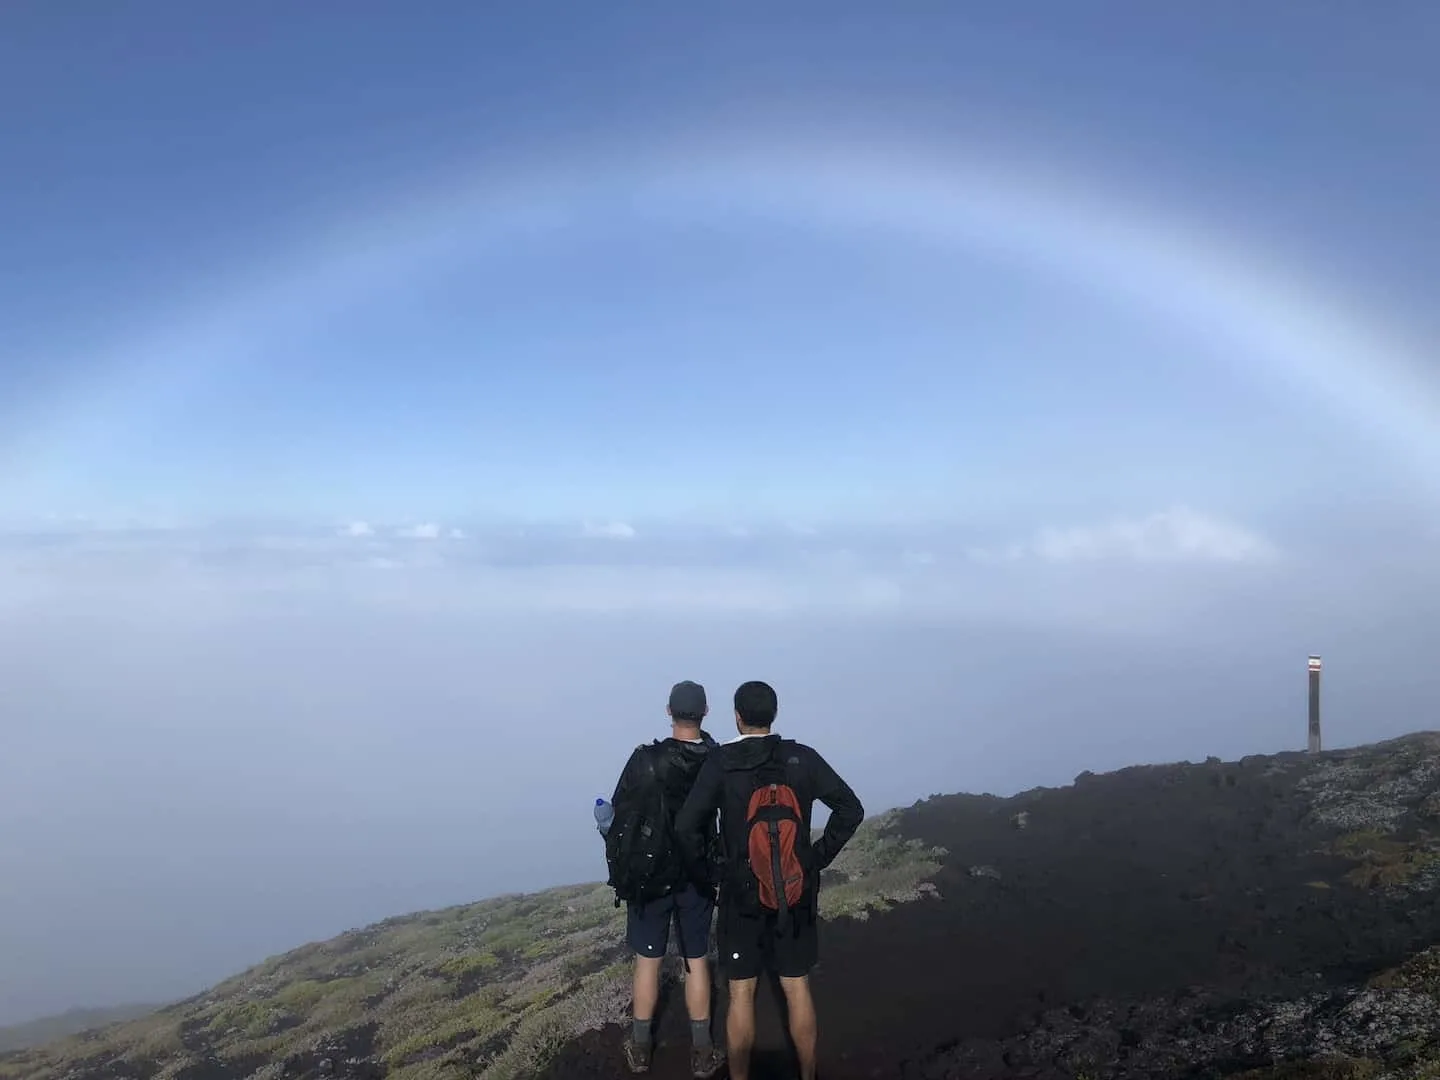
[1276,327]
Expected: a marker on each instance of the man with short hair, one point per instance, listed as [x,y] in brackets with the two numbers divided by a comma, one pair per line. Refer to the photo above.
[765,788]
[652,787]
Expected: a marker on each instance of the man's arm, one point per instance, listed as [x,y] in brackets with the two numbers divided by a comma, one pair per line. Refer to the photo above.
[695,816]
[846,813]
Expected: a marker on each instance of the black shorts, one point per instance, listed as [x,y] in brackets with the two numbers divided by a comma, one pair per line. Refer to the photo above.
[647,926]
[749,944]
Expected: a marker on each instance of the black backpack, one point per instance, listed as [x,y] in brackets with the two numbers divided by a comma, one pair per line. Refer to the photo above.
[640,848]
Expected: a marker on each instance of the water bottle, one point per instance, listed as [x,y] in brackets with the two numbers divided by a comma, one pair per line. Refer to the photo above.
[604,815]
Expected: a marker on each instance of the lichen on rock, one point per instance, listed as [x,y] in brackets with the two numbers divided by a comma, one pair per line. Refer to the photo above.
[1375,787]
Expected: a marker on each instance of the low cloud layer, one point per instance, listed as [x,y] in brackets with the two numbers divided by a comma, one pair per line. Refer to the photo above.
[609,530]
[1045,577]
[1177,535]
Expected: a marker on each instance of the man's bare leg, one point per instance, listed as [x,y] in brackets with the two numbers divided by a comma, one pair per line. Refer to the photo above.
[697,988]
[706,1058]
[647,999]
[647,987]
[804,1028]
[740,1027]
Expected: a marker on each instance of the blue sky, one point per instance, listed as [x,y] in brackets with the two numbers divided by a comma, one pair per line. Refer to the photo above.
[182,296]
[384,384]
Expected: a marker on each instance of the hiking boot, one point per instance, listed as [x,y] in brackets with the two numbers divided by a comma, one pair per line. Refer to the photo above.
[706,1061]
[636,1056]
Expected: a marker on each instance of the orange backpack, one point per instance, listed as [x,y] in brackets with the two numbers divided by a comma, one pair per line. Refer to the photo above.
[773,823]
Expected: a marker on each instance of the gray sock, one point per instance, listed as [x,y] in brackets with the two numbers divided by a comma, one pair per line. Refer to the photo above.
[641,1032]
[700,1034]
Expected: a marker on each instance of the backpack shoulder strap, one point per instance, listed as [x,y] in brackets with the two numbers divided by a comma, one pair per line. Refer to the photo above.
[783,765]
[650,770]
[655,770]
[646,752]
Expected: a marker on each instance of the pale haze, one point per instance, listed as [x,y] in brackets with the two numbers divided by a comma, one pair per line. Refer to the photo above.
[395,401]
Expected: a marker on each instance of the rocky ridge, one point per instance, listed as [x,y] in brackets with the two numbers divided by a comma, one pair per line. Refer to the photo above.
[487,991]
[1380,806]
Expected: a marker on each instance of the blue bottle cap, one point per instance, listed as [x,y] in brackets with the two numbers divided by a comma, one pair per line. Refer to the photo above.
[600,802]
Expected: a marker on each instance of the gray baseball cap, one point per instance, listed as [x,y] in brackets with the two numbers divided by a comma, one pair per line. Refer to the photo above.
[687,699]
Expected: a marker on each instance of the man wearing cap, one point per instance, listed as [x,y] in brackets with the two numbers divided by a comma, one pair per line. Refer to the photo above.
[689,909]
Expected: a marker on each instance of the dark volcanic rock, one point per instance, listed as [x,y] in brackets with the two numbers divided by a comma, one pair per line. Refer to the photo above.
[1200,1036]
[349,1055]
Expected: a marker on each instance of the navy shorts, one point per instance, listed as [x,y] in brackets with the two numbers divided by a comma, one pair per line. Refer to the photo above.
[750,944]
[647,926]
